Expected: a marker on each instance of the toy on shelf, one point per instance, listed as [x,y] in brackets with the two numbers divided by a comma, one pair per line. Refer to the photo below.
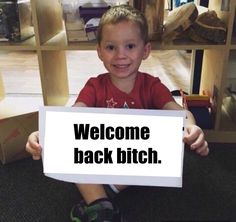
[201,107]
[91,17]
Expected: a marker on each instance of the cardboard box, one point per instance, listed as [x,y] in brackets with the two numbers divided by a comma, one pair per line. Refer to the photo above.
[14,132]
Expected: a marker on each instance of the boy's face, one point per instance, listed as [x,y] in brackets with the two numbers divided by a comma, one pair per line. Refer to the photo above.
[122,49]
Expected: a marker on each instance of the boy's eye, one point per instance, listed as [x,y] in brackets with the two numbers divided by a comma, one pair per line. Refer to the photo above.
[130,46]
[110,47]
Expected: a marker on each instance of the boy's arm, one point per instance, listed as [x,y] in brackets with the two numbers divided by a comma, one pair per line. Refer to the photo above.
[33,147]
[80,104]
[194,135]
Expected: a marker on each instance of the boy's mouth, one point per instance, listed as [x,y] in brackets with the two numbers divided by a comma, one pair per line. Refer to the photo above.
[121,66]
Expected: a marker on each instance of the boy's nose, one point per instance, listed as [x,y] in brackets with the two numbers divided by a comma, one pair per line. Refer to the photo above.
[120,52]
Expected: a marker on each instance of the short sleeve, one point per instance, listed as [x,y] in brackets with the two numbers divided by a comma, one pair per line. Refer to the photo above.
[88,94]
[161,94]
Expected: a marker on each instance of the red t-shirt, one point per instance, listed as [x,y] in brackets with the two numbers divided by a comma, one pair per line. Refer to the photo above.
[148,93]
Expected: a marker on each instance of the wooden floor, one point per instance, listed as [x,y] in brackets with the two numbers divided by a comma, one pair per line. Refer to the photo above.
[20,70]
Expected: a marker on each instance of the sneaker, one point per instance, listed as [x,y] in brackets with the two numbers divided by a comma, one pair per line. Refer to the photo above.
[110,193]
[102,211]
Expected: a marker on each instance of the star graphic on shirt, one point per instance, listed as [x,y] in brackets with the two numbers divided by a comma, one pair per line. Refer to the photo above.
[111,103]
[125,106]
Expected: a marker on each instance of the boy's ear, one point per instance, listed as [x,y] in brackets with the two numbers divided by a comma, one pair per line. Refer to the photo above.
[99,52]
[147,50]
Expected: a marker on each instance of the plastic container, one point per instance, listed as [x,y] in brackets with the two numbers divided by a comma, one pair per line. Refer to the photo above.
[15,20]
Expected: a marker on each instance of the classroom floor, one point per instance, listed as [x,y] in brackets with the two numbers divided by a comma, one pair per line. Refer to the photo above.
[21,76]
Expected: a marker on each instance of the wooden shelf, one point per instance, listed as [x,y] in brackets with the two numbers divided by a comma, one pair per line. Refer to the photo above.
[50,44]
[233,43]
[29,44]
[59,42]
[18,105]
[227,123]
[188,44]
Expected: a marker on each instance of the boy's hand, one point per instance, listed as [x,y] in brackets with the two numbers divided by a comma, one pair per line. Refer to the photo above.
[194,137]
[33,147]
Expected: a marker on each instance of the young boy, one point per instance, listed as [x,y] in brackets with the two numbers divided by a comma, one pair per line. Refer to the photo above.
[122,45]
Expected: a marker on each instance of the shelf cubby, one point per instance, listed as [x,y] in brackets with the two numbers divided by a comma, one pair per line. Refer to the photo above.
[50,43]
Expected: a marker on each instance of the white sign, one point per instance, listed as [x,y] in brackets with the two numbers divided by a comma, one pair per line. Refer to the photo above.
[112,146]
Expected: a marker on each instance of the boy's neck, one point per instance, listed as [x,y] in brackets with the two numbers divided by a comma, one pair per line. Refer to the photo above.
[125,85]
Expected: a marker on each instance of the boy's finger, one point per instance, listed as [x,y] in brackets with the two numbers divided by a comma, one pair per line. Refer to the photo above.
[204,151]
[198,142]
[33,138]
[36,157]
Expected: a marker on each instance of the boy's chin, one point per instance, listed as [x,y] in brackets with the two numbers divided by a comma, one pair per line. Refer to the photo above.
[123,75]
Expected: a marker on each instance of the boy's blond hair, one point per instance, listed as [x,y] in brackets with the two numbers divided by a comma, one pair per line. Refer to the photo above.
[120,13]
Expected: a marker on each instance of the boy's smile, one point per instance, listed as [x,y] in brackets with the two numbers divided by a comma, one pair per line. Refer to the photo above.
[122,50]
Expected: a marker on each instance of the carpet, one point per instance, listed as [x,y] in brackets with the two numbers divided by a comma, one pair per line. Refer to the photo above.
[208,192]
